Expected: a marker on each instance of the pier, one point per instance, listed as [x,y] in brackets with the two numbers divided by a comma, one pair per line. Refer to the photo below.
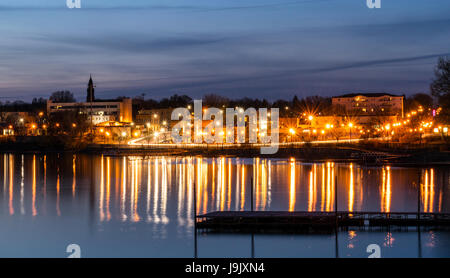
[314,221]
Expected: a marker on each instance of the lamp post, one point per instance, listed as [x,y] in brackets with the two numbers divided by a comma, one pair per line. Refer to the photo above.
[292,132]
[350,125]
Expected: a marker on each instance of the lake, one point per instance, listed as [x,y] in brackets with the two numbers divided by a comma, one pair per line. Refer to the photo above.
[129,206]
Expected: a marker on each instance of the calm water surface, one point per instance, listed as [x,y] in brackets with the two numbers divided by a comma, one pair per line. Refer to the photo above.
[144,207]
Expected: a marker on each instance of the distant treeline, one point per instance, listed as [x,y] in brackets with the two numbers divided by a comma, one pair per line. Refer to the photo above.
[310,104]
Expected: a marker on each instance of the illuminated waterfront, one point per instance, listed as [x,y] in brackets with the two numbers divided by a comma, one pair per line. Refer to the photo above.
[144,206]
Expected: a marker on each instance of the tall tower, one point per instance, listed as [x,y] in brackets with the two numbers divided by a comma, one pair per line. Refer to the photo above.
[90,97]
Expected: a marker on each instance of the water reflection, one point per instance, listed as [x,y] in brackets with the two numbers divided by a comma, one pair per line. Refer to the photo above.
[110,194]
[386,190]
[160,190]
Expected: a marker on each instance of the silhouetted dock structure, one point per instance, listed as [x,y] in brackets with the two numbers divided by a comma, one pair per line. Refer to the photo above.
[300,220]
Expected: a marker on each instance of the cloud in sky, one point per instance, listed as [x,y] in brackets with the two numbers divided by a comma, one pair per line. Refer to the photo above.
[255,48]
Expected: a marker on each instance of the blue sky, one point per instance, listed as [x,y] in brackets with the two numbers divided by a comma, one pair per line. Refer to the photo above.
[257,48]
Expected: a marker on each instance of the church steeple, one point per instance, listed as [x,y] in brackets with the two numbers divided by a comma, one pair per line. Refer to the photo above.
[90,97]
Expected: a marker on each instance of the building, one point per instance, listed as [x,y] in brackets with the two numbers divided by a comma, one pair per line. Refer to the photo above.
[371,104]
[98,111]
[154,119]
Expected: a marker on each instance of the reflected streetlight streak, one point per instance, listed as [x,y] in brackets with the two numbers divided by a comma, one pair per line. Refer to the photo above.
[205,182]
[213,179]
[328,195]
[264,184]
[33,188]
[156,218]
[74,174]
[222,183]
[189,170]
[22,185]
[310,191]
[5,173]
[238,185]
[292,185]
[149,218]
[45,183]
[134,190]
[386,190]
[229,184]
[243,186]
[11,184]
[108,188]
[181,190]
[102,194]
[431,190]
[351,190]
[164,191]
[269,182]
[427,189]
[256,180]
[58,187]
[322,191]
[123,190]
[198,183]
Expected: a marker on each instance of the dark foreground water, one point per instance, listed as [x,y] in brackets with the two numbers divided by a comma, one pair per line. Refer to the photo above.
[144,207]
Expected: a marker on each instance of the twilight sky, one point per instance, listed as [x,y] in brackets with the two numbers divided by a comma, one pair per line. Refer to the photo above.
[257,48]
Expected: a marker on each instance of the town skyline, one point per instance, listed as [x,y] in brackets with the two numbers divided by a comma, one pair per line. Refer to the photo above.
[259,49]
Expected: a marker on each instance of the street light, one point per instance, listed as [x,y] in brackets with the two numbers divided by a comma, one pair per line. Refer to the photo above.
[350,125]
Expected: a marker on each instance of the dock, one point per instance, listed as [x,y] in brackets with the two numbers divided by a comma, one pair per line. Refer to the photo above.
[314,221]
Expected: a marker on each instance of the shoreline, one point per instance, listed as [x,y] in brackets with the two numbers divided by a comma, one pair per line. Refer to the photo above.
[364,154]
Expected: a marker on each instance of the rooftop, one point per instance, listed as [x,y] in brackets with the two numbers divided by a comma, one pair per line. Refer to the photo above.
[368,95]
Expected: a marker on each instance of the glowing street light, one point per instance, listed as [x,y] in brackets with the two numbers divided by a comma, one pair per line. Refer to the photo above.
[292,131]
[350,125]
